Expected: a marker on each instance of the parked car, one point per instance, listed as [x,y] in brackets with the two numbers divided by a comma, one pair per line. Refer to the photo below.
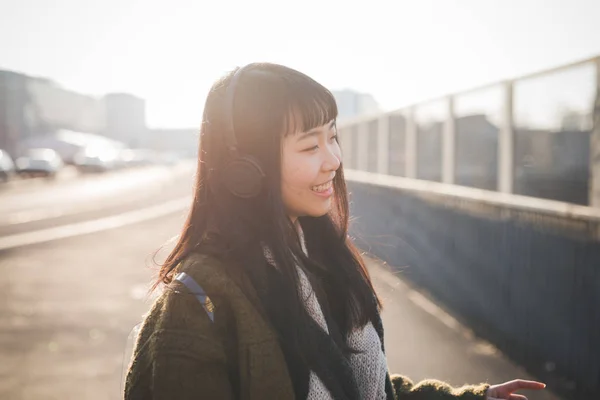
[7,166]
[139,157]
[97,160]
[39,162]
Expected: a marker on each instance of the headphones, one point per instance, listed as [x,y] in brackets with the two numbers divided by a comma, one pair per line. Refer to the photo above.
[242,175]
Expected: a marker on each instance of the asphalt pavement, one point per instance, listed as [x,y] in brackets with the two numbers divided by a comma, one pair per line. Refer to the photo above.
[68,305]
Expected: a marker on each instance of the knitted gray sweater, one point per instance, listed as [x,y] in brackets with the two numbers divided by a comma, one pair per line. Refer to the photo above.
[369,366]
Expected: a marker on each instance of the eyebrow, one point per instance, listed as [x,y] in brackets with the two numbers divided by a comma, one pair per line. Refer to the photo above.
[313,132]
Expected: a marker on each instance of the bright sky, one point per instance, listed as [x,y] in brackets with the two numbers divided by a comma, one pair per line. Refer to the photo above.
[170,52]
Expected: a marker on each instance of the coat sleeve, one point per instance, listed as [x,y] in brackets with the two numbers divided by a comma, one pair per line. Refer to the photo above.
[180,368]
[431,389]
[196,370]
[177,377]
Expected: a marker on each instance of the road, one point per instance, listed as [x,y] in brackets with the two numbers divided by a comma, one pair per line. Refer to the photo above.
[67,305]
[31,208]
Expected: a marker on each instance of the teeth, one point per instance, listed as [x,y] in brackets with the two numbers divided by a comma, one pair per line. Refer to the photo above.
[323,187]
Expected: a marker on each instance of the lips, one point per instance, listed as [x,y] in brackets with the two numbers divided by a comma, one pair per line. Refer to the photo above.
[323,187]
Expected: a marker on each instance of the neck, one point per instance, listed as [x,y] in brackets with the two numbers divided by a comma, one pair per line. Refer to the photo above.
[300,235]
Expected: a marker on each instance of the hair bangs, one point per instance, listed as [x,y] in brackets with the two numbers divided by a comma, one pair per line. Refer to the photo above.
[311,105]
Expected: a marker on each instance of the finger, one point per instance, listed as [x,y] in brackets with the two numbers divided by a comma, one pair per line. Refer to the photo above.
[523,384]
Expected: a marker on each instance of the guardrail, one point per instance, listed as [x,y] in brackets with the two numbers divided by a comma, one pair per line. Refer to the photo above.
[533,135]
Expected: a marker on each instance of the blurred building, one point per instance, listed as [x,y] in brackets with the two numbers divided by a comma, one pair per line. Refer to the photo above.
[13,100]
[352,103]
[476,162]
[31,106]
[571,120]
[126,118]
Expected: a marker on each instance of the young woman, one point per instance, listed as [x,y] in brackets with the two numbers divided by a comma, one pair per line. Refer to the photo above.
[265,295]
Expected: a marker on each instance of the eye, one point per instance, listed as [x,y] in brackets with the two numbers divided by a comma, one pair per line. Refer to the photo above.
[311,148]
[334,138]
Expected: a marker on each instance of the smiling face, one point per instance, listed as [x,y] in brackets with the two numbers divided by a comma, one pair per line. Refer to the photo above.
[309,164]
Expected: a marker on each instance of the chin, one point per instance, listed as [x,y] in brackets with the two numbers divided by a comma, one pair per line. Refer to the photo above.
[319,212]
[312,210]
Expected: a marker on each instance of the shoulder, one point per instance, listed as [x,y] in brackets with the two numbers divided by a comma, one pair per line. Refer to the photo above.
[209,272]
[178,332]
[178,314]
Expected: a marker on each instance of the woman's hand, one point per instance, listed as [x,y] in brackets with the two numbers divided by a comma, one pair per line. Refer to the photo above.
[504,391]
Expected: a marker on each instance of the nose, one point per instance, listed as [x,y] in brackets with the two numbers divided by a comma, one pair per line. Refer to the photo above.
[332,159]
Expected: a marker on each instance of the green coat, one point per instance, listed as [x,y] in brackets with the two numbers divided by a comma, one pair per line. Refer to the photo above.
[181,354]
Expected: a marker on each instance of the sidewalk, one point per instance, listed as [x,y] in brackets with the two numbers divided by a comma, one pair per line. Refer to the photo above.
[425,342]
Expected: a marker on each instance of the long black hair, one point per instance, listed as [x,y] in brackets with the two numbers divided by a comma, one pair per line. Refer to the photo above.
[272,101]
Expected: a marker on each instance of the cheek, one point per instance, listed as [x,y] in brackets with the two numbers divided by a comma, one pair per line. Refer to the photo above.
[295,178]
[298,173]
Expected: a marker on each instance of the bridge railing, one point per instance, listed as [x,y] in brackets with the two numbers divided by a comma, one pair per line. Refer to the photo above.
[533,135]
[490,200]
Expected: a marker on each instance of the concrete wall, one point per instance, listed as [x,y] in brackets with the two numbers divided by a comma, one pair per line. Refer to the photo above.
[522,272]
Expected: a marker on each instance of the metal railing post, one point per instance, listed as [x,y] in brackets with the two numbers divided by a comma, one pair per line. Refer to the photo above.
[383,144]
[411,144]
[594,184]
[362,153]
[449,145]
[506,144]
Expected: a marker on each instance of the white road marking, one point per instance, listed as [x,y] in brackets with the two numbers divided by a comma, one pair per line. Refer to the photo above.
[382,270]
[432,309]
[41,214]
[97,225]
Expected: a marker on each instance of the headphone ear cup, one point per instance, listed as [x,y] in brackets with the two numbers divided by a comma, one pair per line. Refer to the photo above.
[243,177]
